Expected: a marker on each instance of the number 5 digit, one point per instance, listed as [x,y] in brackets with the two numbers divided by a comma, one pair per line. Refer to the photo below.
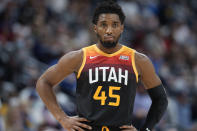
[111,89]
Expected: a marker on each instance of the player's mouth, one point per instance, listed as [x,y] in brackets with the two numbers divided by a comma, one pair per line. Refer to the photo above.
[109,38]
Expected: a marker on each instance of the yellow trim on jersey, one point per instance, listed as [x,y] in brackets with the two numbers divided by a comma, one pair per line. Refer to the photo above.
[108,55]
[83,63]
[133,64]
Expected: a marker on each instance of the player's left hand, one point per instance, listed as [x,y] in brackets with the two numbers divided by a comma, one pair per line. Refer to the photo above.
[128,128]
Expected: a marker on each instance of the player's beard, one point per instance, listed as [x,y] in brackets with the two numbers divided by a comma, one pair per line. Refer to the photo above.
[108,44]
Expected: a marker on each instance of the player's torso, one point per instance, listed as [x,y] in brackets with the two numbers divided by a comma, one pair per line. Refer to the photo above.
[106,86]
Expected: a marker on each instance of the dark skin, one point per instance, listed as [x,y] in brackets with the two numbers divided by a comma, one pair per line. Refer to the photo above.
[108,28]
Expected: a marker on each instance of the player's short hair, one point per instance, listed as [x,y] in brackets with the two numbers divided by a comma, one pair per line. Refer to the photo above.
[108,6]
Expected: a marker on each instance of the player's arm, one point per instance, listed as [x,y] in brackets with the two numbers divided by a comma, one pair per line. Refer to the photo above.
[155,90]
[68,64]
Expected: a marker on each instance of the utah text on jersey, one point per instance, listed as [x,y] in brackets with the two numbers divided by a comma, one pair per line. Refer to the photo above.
[113,75]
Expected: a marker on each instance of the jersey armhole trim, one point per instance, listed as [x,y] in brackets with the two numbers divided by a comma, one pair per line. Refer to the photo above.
[83,63]
[134,65]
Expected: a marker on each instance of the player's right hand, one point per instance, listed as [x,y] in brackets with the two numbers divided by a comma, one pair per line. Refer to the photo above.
[74,123]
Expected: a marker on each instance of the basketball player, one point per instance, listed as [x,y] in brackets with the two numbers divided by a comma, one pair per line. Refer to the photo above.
[107,76]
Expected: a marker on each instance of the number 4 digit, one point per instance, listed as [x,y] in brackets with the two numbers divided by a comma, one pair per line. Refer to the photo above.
[102,97]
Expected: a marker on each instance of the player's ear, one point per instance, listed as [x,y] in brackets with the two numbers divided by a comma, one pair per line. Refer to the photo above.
[95,29]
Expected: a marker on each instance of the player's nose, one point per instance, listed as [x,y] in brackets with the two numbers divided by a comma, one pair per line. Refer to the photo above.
[109,30]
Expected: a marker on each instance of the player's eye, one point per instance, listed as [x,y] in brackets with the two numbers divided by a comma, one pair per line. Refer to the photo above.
[103,24]
[115,25]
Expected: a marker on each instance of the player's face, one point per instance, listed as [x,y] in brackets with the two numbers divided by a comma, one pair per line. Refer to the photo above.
[108,29]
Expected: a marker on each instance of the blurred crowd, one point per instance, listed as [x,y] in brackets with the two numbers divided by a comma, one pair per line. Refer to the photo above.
[34,34]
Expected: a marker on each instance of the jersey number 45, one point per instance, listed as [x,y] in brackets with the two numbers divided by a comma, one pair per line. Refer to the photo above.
[102,97]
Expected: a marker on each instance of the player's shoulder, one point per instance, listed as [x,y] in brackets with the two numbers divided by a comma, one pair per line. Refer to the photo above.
[89,48]
[130,50]
[76,55]
[142,61]
[73,54]
[71,59]
[141,57]
[138,55]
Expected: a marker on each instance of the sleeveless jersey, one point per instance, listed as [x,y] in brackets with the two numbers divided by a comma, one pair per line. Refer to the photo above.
[106,86]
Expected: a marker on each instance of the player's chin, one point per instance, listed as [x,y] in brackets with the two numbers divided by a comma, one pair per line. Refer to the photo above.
[109,41]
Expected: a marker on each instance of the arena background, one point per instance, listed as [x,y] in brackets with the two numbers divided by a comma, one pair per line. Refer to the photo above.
[34,34]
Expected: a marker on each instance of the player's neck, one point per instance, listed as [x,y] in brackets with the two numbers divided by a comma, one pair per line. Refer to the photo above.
[109,50]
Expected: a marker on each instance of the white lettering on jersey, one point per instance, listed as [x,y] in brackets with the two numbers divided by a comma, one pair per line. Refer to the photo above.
[122,75]
[112,75]
[90,76]
[125,76]
[104,72]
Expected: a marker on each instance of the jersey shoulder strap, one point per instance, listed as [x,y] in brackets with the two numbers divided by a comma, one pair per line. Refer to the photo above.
[86,50]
